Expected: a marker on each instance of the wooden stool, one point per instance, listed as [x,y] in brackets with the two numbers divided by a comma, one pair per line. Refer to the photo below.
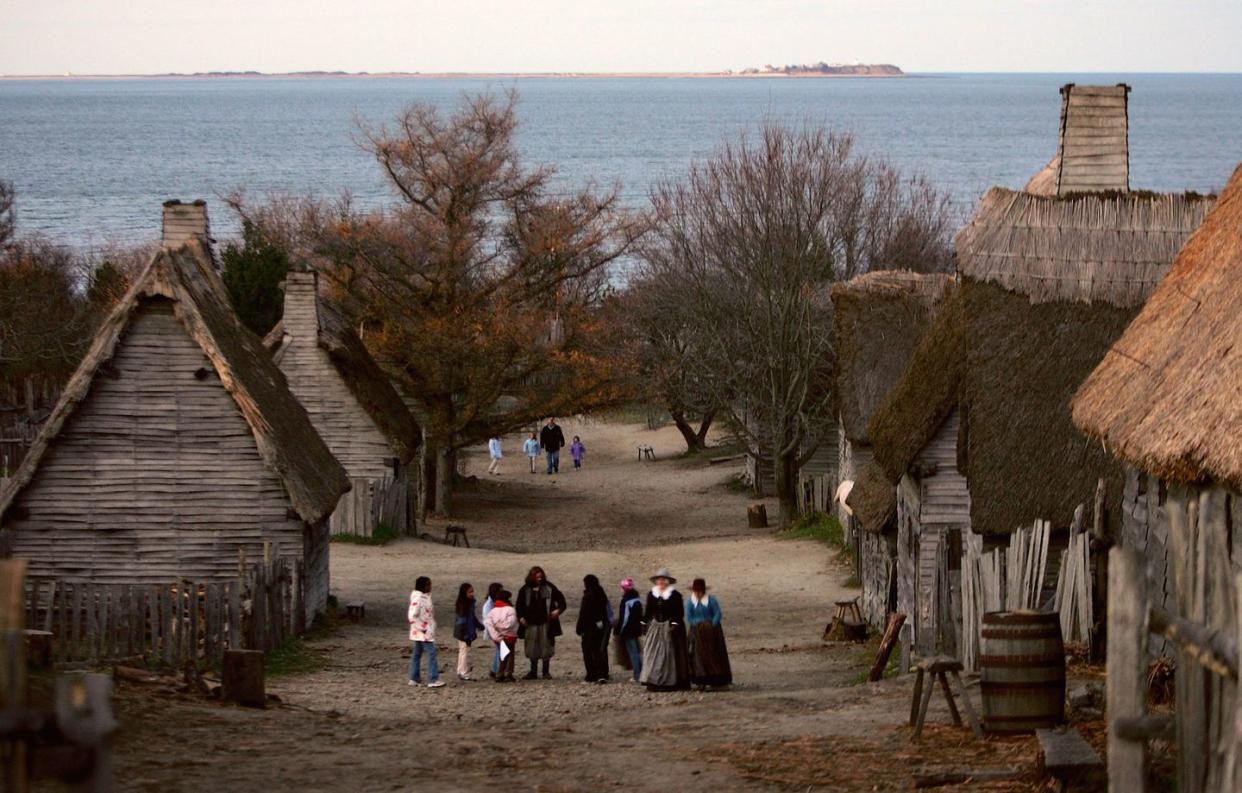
[848,624]
[848,611]
[356,612]
[453,532]
[936,669]
[646,452]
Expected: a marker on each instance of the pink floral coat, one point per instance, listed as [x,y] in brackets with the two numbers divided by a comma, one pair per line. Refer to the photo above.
[422,617]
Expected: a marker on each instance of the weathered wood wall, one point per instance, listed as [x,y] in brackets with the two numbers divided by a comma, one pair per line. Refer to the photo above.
[156,476]
[1095,143]
[1145,528]
[878,561]
[943,494]
[339,419]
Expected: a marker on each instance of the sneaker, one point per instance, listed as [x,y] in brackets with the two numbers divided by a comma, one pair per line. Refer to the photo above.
[530,676]
[466,678]
[436,684]
[602,680]
[413,683]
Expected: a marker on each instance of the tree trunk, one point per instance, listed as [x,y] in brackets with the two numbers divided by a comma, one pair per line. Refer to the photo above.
[693,440]
[426,475]
[446,469]
[705,424]
[787,487]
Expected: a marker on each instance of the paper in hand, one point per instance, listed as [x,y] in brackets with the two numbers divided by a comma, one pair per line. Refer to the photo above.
[504,650]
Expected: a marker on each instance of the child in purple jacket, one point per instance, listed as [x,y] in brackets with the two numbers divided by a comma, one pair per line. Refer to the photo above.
[576,450]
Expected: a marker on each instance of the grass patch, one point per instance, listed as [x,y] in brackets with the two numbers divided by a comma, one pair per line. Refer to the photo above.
[293,657]
[382,534]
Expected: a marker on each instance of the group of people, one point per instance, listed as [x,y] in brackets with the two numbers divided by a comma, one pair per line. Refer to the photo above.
[667,643]
[548,441]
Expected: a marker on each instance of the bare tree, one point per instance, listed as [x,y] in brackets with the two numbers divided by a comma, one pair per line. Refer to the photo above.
[745,250]
[8,215]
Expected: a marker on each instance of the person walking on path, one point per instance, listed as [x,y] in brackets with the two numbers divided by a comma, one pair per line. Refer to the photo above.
[502,628]
[665,662]
[422,619]
[493,590]
[709,657]
[552,440]
[629,627]
[466,626]
[577,451]
[493,450]
[531,447]
[594,626]
[539,608]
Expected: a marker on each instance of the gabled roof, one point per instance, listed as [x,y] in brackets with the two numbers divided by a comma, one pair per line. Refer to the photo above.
[1167,397]
[362,375]
[288,444]
[879,319]
[1110,247]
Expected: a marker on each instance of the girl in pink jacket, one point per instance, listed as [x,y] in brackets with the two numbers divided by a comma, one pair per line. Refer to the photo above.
[502,628]
[422,619]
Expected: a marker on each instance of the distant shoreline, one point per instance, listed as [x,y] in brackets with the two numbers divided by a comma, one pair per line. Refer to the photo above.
[451,75]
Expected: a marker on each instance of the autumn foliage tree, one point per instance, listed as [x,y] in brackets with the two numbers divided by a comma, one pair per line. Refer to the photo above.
[481,290]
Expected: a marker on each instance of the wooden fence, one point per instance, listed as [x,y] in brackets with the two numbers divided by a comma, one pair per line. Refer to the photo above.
[374,501]
[1207,720]
[171,623]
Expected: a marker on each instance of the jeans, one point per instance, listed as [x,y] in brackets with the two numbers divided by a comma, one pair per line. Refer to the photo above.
[554,462]
[433,663]
[496,660]
[636,656]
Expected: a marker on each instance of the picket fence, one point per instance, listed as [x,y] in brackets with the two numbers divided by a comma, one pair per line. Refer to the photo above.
[371,502]
[171,623]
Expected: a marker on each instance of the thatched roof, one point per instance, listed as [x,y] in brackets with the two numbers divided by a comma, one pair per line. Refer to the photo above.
[1092,248]
[873,499]
[288,444]
[879,319]
[362,375]
[1168,396]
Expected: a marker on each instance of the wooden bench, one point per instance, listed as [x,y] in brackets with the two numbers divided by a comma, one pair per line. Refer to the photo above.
[1068,758]
[935,670]
[453,532]
[356,612]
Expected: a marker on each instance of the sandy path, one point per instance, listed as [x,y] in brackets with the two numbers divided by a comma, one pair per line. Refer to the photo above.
[356,725]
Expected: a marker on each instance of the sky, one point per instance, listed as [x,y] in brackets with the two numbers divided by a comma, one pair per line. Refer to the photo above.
[155,36]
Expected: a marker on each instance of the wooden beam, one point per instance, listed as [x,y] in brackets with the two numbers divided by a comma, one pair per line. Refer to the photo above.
[1216,651]
[1126,668]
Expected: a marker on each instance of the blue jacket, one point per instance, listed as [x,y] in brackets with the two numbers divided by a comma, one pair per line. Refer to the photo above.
[707,609]
[466,626]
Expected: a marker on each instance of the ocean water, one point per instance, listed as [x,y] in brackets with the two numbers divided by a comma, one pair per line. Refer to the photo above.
[93,159]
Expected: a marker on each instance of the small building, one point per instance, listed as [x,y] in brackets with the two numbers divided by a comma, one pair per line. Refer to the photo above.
[175,448]
[977,436]
[352,404]
[878,320]
[1166,400]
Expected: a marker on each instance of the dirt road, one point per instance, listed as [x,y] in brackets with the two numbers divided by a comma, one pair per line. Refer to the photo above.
[794,719]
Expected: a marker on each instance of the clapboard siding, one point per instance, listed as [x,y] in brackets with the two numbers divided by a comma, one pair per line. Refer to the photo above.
[156,475]
[944,497]
[340,419]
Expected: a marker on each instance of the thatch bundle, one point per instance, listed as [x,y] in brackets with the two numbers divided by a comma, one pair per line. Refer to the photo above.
[1168,396]
[879,320]
[1111,248]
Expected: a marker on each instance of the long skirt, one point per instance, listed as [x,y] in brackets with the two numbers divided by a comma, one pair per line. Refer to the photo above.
[709,657]
[539,645]
[665,661]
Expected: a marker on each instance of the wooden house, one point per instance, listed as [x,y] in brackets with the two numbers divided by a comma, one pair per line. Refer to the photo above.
[1166,400]
[352,404]
[175,448]
[878,320]
[977,435]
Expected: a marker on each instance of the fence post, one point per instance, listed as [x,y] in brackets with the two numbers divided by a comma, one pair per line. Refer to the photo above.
[1126,668]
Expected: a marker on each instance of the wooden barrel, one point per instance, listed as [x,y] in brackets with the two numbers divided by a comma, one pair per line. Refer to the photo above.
[1022,665]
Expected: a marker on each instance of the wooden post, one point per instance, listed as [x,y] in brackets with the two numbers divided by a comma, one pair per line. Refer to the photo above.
[13,665]
[891,632]
[243,678]
[1127,667]
[757,516]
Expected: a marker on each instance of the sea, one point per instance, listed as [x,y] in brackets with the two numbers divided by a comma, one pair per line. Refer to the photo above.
[92,159]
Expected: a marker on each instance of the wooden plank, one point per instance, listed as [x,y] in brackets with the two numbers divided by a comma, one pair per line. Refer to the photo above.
[235,620]
[1126,667]
[1066,754]
[78,618]
[194,609]
[168,625]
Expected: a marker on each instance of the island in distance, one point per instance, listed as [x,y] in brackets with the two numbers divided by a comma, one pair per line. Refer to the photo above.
[822,69]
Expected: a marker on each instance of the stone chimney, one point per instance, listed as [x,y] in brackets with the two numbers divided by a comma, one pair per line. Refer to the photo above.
[1094,151]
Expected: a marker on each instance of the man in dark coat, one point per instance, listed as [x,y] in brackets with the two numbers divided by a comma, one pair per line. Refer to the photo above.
[552,440]
[539,607]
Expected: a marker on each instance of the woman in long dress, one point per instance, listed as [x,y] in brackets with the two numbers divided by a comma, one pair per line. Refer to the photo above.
[666,665]
[709,657]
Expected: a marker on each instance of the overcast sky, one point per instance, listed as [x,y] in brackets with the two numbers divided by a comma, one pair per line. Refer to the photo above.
[150,36]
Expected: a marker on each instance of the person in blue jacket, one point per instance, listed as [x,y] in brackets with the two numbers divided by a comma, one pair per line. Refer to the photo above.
[466,627]
[709,657]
